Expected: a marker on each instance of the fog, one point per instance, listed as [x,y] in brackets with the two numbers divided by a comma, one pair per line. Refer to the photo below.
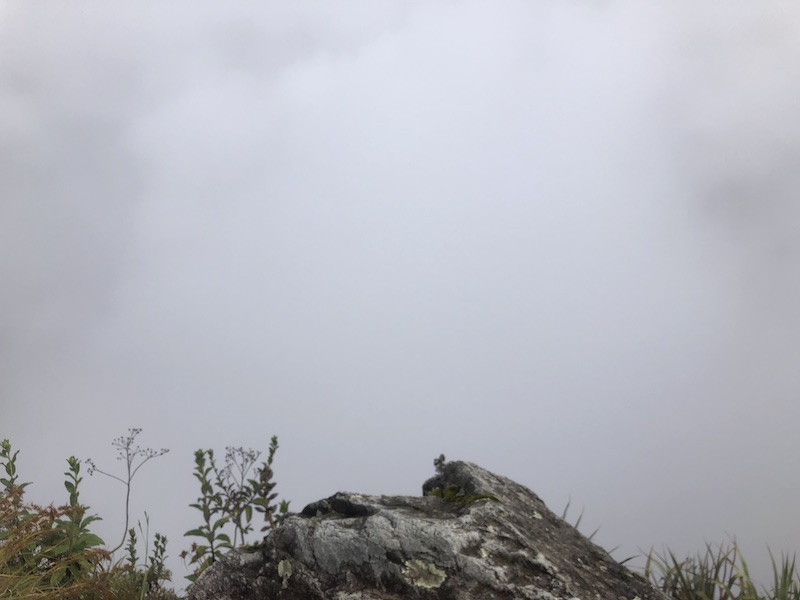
[557,239]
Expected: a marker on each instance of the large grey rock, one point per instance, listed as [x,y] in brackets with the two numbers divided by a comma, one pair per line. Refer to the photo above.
[489,537]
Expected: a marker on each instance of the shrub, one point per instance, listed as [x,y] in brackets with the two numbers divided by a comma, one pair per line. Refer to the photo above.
[45,551]
[228,497]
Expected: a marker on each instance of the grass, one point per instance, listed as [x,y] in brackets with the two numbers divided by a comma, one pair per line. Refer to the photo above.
[50,553]
[720,573]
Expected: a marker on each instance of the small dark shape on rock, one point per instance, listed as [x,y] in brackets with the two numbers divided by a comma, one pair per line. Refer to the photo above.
[503,544]
[439,463]
[339,504]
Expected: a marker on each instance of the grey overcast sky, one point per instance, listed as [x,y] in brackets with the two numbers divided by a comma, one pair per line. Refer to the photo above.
[557,238]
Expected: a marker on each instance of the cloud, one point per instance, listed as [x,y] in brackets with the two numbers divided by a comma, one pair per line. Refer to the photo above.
[550,236]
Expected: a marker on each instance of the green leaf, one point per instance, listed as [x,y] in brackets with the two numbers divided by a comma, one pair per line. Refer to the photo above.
[61,549]
[195,532]
[90,519]
[223,537]
[57,577]
[90,540]
[85,564]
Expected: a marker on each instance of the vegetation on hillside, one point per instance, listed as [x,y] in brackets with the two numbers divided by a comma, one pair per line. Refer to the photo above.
[50,553]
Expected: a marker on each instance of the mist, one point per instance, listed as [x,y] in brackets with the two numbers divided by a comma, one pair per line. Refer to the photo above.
[557,239]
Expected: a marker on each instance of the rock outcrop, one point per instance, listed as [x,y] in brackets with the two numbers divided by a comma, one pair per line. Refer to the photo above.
[472,535]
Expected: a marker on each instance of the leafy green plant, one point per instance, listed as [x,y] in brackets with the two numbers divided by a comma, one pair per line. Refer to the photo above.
[9,462]
[24,569]
[149,578]
[228,497]
[274,514]
[72,537]
[11,492]
[134,581]
[133,557]
[156,571]
[146,580]
[238,492]
[45,551]
[211,505]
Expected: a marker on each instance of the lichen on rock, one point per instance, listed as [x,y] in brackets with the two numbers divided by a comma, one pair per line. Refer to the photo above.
[423,574]
[285,572]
